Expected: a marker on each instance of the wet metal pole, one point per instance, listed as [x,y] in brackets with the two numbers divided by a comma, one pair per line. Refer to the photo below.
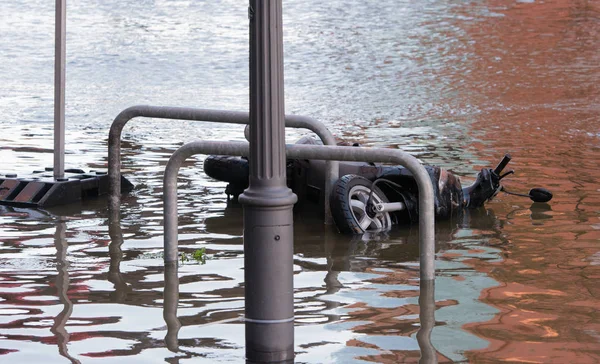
[427,321]
[59,88]
[268,203]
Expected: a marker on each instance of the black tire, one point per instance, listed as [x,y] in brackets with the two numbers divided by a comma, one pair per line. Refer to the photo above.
[234,170]
[348,203]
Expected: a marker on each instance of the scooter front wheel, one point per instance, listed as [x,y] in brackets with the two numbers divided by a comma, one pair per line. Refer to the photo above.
[349,208]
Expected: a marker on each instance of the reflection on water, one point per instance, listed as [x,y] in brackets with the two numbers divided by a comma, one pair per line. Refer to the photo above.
[62,286]
[456,83]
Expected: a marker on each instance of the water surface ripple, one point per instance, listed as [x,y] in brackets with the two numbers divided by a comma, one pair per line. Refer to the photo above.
[458,84]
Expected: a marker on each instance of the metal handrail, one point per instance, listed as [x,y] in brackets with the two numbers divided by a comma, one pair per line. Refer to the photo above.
[218,116]
[296,151]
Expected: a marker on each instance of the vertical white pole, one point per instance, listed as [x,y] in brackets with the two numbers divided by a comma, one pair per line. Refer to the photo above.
[59,88]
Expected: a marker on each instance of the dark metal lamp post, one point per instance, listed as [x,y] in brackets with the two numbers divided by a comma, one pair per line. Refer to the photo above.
[268,202]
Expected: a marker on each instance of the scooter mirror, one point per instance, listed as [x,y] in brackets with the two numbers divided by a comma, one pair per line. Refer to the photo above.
[540,195]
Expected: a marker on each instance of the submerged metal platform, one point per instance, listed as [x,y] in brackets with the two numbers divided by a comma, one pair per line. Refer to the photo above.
[41,189]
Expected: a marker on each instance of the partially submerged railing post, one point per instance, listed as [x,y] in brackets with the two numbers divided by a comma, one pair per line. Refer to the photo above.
[295,151]
[171,301]
[394,156]
[427,321]
[268,202]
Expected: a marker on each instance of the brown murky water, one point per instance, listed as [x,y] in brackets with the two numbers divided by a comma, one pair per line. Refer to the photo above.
[456,83]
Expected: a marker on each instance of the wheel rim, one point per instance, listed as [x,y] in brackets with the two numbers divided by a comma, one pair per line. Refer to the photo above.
[358,197]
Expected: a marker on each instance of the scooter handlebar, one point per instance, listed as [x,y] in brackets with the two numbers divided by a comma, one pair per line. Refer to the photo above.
[502,164]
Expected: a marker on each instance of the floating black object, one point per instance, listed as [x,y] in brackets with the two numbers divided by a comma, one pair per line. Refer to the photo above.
[539,194]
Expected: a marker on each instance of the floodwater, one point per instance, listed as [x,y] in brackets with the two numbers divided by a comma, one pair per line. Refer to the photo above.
[457,83]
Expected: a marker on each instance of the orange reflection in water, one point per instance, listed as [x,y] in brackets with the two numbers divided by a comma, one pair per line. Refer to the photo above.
[535,71]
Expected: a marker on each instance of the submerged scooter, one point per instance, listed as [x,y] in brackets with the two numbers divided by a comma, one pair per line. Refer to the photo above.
[373,197]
